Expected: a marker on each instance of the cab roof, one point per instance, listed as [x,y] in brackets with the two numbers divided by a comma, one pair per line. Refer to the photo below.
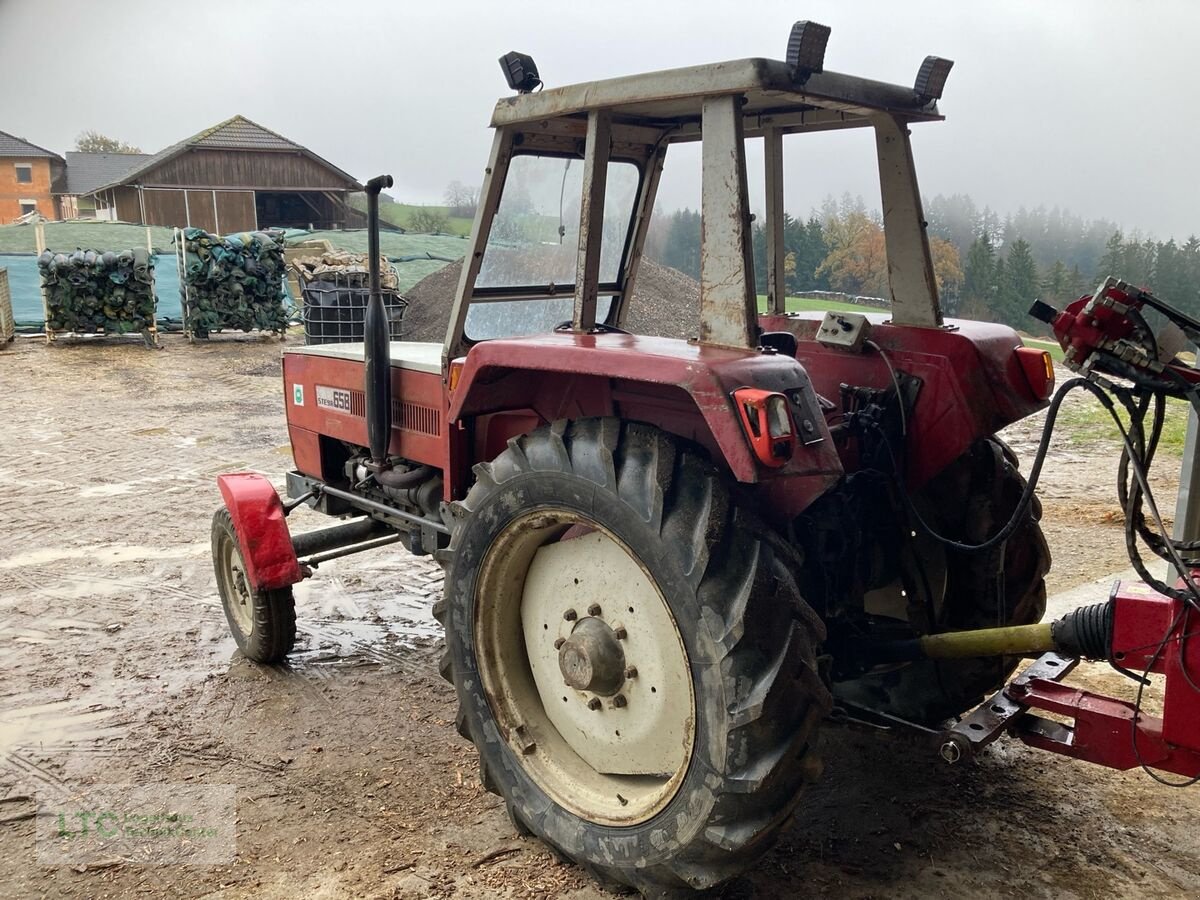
[672,99]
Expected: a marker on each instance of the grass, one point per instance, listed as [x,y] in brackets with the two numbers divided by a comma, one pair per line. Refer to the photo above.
[1082,420]
[67,236]
[806,304]
[401,214]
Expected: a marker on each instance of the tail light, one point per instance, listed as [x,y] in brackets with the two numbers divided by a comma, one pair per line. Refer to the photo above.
[1039,370]
[767,421]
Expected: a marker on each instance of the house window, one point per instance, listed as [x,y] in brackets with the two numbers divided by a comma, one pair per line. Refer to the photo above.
[28,206]
[24,173]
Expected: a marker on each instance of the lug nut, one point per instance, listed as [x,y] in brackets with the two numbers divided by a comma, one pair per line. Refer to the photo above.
[570,615]
[619,701]
[594,703]
[631,672]
[558,643]
[620,632]
[594,609]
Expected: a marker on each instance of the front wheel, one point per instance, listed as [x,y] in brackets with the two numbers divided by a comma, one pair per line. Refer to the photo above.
[632,657]
[263,622]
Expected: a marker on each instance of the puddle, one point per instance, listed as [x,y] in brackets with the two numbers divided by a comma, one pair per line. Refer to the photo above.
[115,554]
[56,724]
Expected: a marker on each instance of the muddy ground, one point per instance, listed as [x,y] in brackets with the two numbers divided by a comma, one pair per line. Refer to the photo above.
[350,780]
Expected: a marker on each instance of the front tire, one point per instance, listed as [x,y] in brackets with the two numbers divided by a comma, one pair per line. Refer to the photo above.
[725,636]
[263,623]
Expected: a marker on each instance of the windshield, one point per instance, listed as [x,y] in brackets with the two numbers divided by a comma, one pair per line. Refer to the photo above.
[534,243]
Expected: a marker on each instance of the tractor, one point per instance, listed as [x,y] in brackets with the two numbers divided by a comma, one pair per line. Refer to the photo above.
[668,562]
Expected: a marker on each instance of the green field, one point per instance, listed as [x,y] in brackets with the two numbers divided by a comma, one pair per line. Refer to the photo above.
[803,304]
[401,214]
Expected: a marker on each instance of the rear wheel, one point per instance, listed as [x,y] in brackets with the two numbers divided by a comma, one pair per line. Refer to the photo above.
[632,657]
[263,622]
[968,502]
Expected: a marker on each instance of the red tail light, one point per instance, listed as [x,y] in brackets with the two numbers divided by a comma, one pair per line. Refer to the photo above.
[1039,370]
[767,422]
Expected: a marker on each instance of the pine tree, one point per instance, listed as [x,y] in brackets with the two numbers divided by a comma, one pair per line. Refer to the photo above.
[1020,286]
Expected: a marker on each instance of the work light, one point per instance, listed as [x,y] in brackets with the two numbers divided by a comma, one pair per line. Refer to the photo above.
[806,49]
[931,78]
[520,71]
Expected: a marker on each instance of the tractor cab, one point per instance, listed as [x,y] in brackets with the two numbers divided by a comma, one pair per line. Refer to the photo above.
[573,174]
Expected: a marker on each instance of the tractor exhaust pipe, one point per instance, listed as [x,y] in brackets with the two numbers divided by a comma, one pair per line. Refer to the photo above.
[377,340]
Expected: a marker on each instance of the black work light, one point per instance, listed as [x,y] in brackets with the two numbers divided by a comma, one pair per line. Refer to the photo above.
[520,71]
[931,78]
[806,49]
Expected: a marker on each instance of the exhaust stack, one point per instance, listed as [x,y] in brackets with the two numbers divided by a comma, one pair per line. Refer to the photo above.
[377,340]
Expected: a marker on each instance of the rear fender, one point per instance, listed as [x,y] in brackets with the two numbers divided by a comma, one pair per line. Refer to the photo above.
[600,374]
[262,532]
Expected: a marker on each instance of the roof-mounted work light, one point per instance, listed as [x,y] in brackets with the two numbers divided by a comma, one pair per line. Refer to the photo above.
[931,78]
[520,71]
[806,49]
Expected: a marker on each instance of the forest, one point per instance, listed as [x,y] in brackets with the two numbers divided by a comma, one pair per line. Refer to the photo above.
[987,266]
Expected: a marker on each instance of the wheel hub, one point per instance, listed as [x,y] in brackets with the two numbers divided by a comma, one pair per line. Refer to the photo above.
[591,659]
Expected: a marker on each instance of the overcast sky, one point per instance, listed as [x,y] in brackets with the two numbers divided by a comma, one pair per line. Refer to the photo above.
[1088,105]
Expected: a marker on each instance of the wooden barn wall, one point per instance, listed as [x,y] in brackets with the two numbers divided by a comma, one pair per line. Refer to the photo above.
[235,211]
[129,208]
[244,169]
[202,210]
[217,211]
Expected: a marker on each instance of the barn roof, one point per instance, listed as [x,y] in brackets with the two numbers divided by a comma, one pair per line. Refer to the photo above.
[87,171]
[11,145]
[237,133]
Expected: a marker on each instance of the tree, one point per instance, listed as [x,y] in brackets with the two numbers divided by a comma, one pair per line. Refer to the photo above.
[427,220]
[682,249]
[1019,288]
[857,258]
[461,199]
[94,142]
[947,271]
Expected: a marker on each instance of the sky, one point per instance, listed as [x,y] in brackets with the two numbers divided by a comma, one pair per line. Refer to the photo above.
[1091,105]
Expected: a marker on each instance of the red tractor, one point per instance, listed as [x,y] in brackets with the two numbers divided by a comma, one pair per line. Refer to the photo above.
[668,561]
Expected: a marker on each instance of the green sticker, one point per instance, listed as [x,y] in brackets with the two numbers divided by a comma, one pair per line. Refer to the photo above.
[298,394]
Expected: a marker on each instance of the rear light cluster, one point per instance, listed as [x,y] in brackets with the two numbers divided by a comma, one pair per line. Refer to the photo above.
[1038,368]
[767,421]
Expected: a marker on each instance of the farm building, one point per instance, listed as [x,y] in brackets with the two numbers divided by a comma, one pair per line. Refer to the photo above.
[235,176]
[88,171]
[30,176]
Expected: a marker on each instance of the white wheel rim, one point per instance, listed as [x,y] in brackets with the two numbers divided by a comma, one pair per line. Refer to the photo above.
[239,599]
[614,754]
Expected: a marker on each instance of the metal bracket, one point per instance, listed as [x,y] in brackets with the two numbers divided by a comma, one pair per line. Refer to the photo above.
[991,719]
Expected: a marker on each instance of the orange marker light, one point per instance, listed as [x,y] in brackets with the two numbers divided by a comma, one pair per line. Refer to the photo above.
[1038,367]
[767,422]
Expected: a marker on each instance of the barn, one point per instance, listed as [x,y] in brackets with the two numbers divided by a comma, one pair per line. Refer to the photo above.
[234,176]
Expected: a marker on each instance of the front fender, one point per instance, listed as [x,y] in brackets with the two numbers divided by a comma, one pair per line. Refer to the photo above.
[262,532]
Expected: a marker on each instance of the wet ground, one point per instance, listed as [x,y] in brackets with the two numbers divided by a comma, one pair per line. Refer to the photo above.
[350,780]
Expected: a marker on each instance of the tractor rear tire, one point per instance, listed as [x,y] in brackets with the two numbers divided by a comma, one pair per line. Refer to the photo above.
[263,622]
[975,497]
[745,653]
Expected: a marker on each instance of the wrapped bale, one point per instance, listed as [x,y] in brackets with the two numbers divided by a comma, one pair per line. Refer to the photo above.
[93,292]
[233,282]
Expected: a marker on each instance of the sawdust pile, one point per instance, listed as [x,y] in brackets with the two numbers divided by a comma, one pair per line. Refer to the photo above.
[666,303]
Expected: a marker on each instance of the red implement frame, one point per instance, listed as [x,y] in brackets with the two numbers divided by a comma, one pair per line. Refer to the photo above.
[262,531]
[1151,633]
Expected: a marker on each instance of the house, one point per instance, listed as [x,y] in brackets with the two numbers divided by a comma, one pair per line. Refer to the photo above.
[88,171]
[234,176]
[30,177]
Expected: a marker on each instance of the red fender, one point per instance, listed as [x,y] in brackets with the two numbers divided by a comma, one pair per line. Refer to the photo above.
[262,531]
